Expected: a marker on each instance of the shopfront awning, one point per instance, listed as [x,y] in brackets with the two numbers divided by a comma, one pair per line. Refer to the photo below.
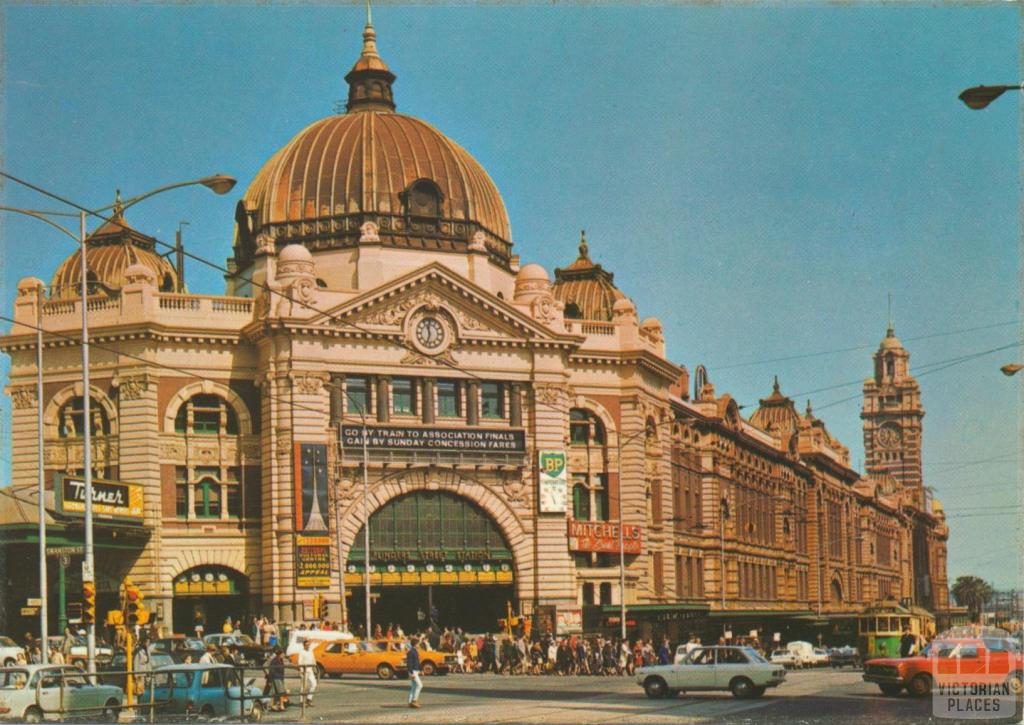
[638,608]
[762,614]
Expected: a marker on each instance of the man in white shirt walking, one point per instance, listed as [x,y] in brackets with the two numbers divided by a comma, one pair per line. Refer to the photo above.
[307,662]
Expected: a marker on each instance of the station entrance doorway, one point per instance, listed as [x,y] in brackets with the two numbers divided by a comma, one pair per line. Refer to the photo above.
[208,595]
[435,557]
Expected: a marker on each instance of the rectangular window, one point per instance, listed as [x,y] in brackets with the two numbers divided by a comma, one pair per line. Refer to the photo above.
[403,396]
[656,513]
[492,400]
[601,512]
[659,574]
[234,501]
[181,500]
[357,395]
[448,399]
[580,498]
[682,585]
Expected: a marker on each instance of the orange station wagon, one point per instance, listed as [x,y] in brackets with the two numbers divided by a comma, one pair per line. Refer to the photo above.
[385,658]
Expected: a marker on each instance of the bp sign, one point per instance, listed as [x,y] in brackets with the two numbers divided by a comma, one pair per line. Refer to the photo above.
[553,482]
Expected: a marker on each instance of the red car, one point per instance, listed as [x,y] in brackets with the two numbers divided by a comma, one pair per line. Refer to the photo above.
[990,661]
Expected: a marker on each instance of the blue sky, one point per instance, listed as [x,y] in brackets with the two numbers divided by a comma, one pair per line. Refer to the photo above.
[757,177]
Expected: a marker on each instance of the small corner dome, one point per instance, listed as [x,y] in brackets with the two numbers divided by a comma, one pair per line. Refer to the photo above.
[533,272]
[139,273]
[624,305]
[295,253]
[27,285]
[651,323]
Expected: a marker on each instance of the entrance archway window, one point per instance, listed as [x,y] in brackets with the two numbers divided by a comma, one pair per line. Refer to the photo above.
[357,394]
[585,428]
[403,396]
[71,418]
[448,399]
[492,400]
[206,415]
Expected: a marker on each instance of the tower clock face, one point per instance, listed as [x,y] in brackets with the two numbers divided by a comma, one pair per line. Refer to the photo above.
[430,333]
[888,436]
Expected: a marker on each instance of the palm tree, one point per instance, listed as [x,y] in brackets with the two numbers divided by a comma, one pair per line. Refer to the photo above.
[972,592]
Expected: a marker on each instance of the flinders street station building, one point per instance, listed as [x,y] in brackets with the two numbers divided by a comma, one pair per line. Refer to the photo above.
[518,425]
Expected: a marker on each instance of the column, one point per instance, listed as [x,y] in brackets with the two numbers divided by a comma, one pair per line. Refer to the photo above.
[427,400]
[472,402]
[515,406]
[383,412]
[337,398]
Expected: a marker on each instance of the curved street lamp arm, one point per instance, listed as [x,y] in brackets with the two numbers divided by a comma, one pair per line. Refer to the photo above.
[41,216]
[219,184]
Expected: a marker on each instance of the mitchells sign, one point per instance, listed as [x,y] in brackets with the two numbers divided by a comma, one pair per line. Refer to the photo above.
[487,440]
[110,499]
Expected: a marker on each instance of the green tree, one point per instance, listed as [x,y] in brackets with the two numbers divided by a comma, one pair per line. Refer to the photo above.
[972,592]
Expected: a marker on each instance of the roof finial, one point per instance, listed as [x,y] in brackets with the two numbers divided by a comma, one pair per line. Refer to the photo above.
[369,15]
[584,247]
[118,209]
[891,330]
[775,385]
[810,412]
[369,81]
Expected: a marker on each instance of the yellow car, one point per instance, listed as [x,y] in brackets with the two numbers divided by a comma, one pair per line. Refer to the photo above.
[385,658]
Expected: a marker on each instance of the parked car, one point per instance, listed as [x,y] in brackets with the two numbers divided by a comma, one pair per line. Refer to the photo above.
[969,661]
[115,671]
[803,652]
[740,670]
[297,636]
[785,658]
[206,690]
[819,657]
[10,652]
[843,656]
[80,650]
[251,651]
[34,693]
[178,648]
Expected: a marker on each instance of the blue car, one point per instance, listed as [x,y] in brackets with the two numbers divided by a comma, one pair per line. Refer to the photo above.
[205,691]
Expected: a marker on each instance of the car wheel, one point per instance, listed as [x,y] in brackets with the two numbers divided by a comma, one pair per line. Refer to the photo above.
[427,668]
[890,690]
[33,714]
[655,688]
[111,710]
[10,662]
[741,688]
[256,713]
[385,671]
[920,686]
[1015,682]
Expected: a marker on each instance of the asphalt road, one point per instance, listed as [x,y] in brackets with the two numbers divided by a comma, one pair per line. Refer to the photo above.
[810,696]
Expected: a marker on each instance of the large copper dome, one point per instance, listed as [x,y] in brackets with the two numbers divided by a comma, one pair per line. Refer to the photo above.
[420,188]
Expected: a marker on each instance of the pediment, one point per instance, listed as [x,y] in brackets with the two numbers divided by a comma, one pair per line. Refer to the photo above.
[434,290]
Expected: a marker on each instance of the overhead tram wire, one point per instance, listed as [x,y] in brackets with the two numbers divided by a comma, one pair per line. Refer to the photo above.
[836,351]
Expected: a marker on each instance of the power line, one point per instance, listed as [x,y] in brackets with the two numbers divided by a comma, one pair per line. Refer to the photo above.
[821,353]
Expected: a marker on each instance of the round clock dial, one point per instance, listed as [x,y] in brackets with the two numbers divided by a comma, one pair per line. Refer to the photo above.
[430,333]
[888,436]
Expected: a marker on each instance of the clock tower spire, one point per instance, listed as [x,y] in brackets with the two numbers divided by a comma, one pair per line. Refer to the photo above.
[892,416]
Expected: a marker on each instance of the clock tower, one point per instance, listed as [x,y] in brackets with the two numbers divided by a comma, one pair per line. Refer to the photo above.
[892,416]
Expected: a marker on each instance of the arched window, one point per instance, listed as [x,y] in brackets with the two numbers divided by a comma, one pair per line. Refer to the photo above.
[167,284]
[206,415]
[837,590]
[572,312]
[585,428]
[423,198]
[207,499]
[71,421]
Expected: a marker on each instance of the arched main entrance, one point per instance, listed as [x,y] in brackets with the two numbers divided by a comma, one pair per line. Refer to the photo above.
[432,548]
[209,594]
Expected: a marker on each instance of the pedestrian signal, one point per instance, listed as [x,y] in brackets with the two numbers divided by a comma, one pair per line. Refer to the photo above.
[135,611]
[88,602]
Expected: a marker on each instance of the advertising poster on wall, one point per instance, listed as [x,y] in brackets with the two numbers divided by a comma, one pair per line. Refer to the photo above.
[311,507]
[570,621]
[553,483]
[312,562]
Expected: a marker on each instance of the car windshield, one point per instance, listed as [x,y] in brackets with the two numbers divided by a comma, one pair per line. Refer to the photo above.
[13,679]
[780,653]
[7,642]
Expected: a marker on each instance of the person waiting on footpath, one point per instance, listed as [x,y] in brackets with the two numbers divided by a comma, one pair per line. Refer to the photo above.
[412,663]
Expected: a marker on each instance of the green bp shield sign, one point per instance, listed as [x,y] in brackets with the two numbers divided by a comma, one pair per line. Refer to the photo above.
[553,493]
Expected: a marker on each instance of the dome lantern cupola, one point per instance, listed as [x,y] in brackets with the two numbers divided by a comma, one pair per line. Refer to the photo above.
[369,81]
[586,289]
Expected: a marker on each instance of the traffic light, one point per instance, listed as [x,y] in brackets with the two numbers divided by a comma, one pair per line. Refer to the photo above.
[135,611]
[88,602]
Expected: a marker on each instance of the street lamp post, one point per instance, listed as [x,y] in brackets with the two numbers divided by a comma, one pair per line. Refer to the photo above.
[44,610]
[219,184]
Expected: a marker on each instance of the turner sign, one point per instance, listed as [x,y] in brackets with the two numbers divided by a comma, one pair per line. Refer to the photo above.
[603,537]
[110,499]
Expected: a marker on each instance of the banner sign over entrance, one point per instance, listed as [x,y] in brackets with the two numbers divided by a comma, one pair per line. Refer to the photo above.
[603,537]
[110,499]
[487,440]
[313,562]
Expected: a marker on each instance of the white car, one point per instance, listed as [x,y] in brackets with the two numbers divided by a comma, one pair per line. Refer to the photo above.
[740,670]
[79,654]
[785,658]
[819,657]
[10,652]
[33,693]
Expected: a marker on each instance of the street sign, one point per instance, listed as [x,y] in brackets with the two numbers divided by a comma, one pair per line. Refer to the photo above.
[34,602]
[29,611]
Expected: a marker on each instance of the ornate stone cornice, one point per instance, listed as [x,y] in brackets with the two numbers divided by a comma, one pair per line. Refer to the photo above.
[131,387]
